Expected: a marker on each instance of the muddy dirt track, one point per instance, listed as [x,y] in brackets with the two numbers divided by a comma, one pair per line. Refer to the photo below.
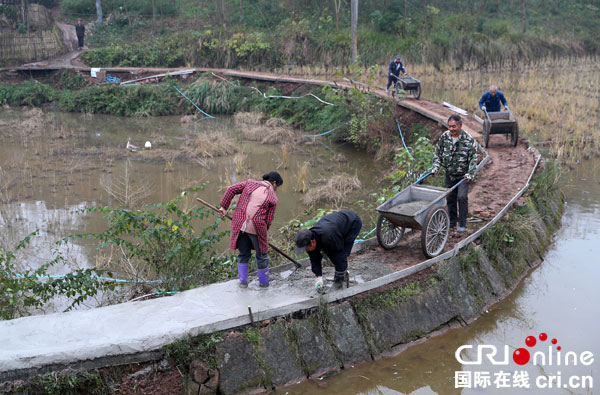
[495,185]
[503,176]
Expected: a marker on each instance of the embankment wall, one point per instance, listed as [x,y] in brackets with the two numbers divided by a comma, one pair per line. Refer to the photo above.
[322,340]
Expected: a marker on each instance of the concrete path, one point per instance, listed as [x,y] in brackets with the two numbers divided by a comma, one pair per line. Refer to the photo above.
[134,327]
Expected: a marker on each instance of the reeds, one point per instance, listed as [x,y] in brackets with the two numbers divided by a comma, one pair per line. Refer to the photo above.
[188,119]
[556,101]
[239,160]
[214,97]
[285,157]
[271,135]
[248,118]
[335,190]
[209,145]
[302,185]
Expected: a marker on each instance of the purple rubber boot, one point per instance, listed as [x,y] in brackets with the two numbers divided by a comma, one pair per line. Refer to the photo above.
[263,277]
[243,274]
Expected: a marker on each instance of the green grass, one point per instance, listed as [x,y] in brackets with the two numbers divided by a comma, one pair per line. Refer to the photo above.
[270,34]
[202,347]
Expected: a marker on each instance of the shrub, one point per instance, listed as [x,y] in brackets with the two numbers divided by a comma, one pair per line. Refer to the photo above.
[27,94]
[71,81]
[21,291]
[163,238]
[123,100]
[214,97]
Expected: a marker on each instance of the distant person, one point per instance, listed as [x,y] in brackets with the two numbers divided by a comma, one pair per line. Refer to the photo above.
[334,234]
[490,100]
[80,31]
[394,72]
[252,219]
[456,153]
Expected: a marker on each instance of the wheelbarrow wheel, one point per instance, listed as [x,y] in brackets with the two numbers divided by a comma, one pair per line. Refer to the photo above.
[416,92]
[398,89]
[487,126]
[514,136]
[388,234]
[436,229]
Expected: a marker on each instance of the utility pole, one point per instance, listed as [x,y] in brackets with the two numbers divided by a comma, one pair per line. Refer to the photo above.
[354,23]
[99,12]
[523,16]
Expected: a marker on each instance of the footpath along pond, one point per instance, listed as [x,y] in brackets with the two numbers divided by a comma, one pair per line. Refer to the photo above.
[558,298]
[52,164]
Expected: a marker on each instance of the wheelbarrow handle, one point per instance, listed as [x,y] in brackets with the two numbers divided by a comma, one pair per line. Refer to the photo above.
[485,112]
[457,184]
[424,176]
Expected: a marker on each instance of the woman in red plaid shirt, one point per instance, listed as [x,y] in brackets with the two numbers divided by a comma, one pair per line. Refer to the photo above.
[252,218]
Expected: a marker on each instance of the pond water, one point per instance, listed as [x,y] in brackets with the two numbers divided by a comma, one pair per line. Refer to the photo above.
[560,298]
[53,164]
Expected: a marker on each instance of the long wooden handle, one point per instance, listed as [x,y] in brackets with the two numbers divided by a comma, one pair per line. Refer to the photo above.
[298,265]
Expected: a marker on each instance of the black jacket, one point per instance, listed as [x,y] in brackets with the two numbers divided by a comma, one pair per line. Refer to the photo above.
[332,232]
[79,29]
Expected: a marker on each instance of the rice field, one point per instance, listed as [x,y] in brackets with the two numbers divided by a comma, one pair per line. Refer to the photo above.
[556,101]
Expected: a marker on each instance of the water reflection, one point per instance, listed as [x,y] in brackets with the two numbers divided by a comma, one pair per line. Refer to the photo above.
[21,219]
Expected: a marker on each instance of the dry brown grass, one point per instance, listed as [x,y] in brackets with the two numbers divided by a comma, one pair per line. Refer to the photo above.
[273,131]
[157,140]
[554,100]
[253,133]
[277,123]
[335,190]
[285,157]
[239,160]
[43,133]
[248,118]
[30,124]
[302,185]
[271,135]
[209,145]
[188,119]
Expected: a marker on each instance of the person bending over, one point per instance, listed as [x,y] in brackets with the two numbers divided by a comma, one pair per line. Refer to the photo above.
[394,72]
[334,234]
[490,100]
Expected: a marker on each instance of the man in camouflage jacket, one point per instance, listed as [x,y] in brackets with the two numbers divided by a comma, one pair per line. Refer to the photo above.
[456,152]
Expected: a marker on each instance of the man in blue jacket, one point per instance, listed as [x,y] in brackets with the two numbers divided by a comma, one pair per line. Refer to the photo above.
[394,72]
[490,100]
[334,234]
